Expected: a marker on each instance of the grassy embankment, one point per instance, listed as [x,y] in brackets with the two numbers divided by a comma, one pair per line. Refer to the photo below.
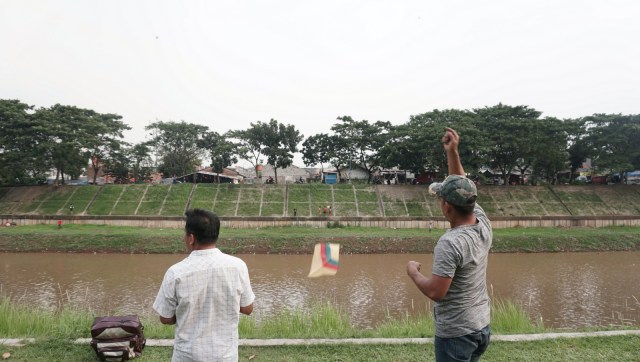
[300,240]
[54,332]
[620,348]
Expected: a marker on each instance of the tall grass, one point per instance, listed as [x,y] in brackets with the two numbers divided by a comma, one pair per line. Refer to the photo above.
[406,327]
[18,320]
[322,320]
[508,317]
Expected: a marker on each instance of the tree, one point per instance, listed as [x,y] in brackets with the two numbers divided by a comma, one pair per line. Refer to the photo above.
[281,143]
[363,140]
[221,151]
[21,160]
[399,151]
[421,145]
[273,140]
[317,149]
[250,146]
[508,130]
[178,145]
[65,133]
[69,136]
[118,164]
[578,147]
[141,163]
[614,141]
[549,154]
[105,140]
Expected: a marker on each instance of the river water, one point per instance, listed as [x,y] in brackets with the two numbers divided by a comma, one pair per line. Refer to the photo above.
[564,289]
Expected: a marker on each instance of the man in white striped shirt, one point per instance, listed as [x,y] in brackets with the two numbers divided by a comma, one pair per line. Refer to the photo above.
[204,294]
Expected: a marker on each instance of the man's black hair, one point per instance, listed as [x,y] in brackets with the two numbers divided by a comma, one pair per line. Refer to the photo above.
[464,210]
[203,225]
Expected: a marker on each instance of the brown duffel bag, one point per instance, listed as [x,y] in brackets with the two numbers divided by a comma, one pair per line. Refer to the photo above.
[117,338]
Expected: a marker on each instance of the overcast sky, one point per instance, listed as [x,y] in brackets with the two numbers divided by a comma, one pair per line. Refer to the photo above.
[226,64]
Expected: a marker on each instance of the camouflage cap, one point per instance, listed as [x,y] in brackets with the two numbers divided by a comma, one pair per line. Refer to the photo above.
[457,190]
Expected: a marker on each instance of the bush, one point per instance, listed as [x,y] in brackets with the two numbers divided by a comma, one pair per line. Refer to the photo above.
[334,225]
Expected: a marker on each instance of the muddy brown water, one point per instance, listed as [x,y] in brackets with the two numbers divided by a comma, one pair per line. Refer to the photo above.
[564,289]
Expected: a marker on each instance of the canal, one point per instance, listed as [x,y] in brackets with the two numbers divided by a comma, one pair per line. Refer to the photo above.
[566,290]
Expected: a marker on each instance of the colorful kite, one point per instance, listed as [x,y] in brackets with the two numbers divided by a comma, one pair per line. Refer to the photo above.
[325,260]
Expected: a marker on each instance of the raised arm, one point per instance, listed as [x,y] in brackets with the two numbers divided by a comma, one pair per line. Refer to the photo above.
[450,141]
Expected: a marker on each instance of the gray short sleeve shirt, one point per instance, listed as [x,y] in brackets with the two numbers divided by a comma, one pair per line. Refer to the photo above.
[461,254]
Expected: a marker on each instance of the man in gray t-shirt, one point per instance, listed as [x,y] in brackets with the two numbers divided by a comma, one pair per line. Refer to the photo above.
[458,282]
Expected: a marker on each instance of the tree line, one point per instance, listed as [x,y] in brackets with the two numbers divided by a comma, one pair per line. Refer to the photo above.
[70,140]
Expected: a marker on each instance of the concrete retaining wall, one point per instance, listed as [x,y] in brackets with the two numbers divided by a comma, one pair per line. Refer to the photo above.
[379,222]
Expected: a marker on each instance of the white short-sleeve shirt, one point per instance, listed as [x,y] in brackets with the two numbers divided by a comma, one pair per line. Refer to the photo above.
[205,292]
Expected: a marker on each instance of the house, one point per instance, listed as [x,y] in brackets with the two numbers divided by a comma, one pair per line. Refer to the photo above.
[494,177]
[354,172]
[395,176]
[206,175]
[425,178]
[290,174]
[330,177]
[632,178]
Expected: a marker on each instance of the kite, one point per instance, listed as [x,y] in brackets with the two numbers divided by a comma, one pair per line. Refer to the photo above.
[325,260]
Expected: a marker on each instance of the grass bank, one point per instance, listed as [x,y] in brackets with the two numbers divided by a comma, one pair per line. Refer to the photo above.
[620,348]
[55,331]
[300,240]
[321,321]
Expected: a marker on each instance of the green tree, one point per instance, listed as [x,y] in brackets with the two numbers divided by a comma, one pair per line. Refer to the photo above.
[614,140]
[417,145]
[104,140]
[69,136]
[221,150]
[400,151]
[281,142]
[21,160]
[65,133]
[141,163]
[363,140]
[118,165]
[578,147]
[549,155]
[250,145]
[316,150]
[508,130]
[179,146]
[341,153]
[273,140]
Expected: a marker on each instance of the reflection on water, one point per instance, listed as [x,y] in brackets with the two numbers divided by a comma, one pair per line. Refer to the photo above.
[565,289]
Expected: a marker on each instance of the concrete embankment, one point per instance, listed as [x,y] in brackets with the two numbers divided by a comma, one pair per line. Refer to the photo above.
[402,222]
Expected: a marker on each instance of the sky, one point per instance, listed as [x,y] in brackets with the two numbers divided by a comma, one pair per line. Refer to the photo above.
[226,64]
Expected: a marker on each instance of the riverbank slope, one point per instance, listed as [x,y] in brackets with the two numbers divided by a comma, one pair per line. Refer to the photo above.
[300,240]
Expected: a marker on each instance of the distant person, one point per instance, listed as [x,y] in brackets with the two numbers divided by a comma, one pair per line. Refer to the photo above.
[204,294]
[458,281]
[71,207]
